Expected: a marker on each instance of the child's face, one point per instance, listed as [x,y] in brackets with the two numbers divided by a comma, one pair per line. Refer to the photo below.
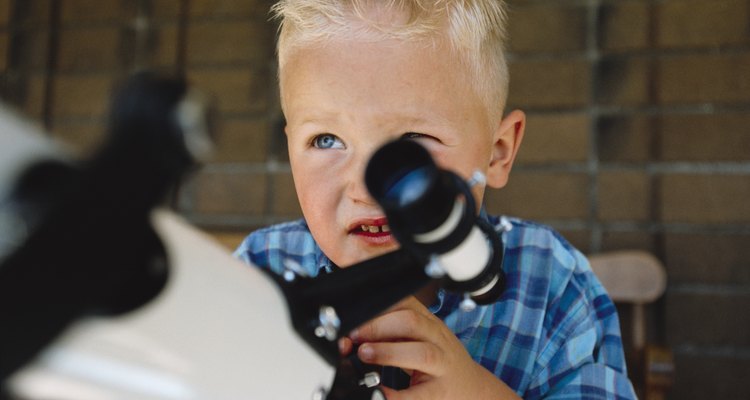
[343,101]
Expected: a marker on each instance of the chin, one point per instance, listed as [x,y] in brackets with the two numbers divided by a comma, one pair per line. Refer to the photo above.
[366,255]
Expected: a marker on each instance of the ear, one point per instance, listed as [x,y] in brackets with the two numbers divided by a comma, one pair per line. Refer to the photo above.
[506,142]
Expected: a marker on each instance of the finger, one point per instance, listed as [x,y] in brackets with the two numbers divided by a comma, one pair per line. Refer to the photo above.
[421,356]
[405,324]
[345,346]
[390,394]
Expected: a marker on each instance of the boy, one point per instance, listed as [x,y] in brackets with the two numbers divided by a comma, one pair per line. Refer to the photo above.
[354,75]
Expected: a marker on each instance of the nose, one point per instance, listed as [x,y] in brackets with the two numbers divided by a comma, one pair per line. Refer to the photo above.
[356,190]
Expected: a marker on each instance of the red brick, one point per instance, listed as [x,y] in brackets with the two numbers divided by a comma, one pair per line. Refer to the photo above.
[720,78]
[285,203]
[705,137]
[624,196]
[703,23]
[5,10]
[163,46]
[11,89]
[546,84]
[542,195]
[229,8]
[552,138]
[707,319]
[625,81]
[580,239]
[82,96]
[708,258]
[89,49]
[710,377]
[4,48]
[564,28]
[30,13]
[712,199]
[278,148]
[235,193]
[242,141]
[638,240]
[31,49]
[625,139]
[229,239]
[165,9]
[97,10]
[624,25]
[237,90]
[228,42]
[32,102]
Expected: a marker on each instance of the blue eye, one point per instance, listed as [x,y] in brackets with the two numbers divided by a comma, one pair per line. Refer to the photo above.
[327,141]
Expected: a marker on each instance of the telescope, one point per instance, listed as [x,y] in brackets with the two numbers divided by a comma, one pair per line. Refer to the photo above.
[106,294]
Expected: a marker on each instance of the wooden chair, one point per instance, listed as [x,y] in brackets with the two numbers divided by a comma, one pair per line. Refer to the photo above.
[635,279]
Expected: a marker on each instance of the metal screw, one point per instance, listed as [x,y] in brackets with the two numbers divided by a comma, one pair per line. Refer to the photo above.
[329,323]
[320,332]
[477,178]
[506,225]
[289,276]
[371,379]
[292,269]
[319,394]
[467,304]
[434,269]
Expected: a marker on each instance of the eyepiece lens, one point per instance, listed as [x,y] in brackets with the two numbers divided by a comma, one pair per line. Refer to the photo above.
[409,188]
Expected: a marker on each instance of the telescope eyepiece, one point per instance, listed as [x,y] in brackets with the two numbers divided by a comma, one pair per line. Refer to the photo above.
[432,212]
[416,195]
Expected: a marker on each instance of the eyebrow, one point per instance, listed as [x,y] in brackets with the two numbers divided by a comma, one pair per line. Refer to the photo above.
[318,117]
[329,116]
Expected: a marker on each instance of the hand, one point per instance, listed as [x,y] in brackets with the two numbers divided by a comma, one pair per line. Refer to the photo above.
[408,336]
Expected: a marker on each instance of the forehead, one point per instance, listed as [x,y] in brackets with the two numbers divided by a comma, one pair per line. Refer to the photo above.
[391,74]
[354,25]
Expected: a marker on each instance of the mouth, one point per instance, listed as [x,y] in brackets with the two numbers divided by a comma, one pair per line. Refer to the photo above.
[375,228]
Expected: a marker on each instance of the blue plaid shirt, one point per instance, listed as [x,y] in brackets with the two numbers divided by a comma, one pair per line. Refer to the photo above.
[554,333]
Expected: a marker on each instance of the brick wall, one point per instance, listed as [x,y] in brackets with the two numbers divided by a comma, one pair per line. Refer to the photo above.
[637,135]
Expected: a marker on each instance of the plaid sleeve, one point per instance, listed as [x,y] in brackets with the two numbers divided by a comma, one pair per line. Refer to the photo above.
[281,246]
[581,355]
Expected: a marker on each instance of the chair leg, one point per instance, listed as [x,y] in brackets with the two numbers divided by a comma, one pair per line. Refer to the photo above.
[659,372]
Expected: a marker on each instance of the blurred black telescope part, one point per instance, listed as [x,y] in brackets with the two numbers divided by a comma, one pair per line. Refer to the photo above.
[432,212]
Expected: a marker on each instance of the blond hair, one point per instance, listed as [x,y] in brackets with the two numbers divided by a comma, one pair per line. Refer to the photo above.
[475,30]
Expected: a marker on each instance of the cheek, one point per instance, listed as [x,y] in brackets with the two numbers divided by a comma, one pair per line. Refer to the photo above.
[317,195]
[304,185]
[463,162]
[311,194]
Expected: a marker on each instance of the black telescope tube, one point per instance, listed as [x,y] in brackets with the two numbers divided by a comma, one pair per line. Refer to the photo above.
[92,249]
[405,181]
[417,196]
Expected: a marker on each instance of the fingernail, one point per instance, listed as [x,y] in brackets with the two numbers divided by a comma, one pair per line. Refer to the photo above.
[354,335]
[366,352]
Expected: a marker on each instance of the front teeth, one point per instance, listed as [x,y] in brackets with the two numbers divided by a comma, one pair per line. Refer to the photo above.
[375,229]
